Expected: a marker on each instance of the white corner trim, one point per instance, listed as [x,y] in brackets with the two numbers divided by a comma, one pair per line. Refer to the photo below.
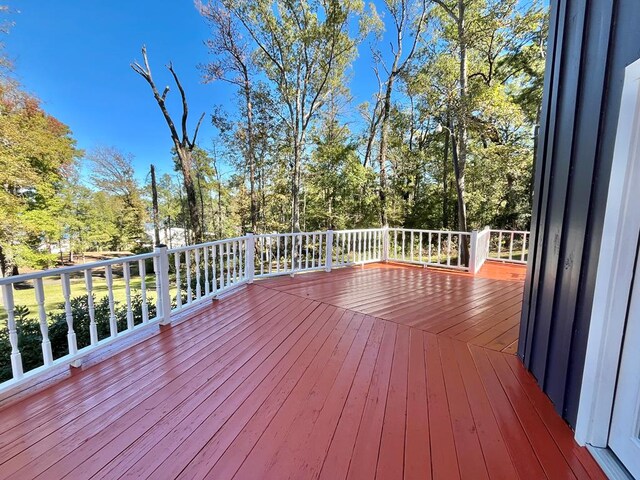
[614,274]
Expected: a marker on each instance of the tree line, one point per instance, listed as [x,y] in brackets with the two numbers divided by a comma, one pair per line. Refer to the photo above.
[446,140]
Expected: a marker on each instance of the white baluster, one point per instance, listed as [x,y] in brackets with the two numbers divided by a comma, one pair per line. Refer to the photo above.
[142,270]
[395,244]
[524,247]
[420,239]
[439,247]
[306,251]
[178,281]
[320,264]
[242,245]
[278,253]
[262,240]
[286,260]
[313,252]
[460,248]
[228,250]
[44,328]
[113,324]
[198,285]
[68,313]
[234,251]
[449,249]
[93,327]
[511,247]
[127,291]
[499,244]
[207,286]
[430,249]
[222,266]
[214,271]
[16,358]
[412,245]
[187,267]
[270,254]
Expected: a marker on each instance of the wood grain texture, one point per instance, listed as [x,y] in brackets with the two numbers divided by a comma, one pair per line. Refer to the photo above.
[297,378]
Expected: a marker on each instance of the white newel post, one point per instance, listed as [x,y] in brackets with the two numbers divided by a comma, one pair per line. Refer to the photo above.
[385,243]
[329,251]
[473,252]
[16,358]
[249,259]
[162,282]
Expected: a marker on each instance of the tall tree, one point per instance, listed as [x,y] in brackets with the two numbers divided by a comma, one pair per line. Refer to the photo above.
[113,173]
[182,142]
[403,14]
[303,47]
[233,64]
[36,153]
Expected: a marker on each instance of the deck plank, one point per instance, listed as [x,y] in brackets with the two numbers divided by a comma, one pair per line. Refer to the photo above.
[380,371]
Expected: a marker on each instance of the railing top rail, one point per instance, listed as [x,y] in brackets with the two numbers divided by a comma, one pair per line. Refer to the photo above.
[206,244]
[54,272]
[359,230]
[519,232]
[452,232]
[289,234]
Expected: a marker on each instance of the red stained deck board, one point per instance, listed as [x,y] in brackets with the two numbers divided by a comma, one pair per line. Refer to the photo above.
[364,457]
[417,458]
[208,417]
[293,410]
[209,373]
[391,457]
[58,398]
[92,408]
[293,378]
[225,452]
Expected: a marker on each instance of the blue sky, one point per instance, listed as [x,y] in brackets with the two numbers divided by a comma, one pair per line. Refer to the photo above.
[75,54]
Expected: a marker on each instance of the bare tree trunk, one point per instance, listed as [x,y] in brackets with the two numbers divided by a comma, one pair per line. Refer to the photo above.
[382,154]
[462,120]
[3,263]
[192,199]
[183,144]
[445,179]
[154,202]
[251,154]
[295,183]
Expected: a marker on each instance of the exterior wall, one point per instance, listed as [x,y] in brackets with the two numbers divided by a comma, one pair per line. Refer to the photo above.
[590,44]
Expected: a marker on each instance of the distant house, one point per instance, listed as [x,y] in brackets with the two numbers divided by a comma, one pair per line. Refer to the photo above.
[171,237]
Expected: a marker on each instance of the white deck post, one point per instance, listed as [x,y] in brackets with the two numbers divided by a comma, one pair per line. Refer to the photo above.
[16,358]
[329,251]
[162,285]
[249,267]
[385,243]
[473,252]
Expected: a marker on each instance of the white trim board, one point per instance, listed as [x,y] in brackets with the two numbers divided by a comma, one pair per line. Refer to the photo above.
[611,466]
[614,274]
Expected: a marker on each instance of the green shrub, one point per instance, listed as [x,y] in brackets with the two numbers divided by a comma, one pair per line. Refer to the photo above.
[30,337]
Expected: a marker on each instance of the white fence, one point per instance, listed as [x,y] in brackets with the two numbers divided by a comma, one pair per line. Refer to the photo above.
[144,290]
[509,246]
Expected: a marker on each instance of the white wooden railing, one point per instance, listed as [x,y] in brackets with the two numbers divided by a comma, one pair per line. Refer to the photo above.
[145,290]
[509,246]
[429,247]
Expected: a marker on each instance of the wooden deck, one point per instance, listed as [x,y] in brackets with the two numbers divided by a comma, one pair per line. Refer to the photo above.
[379,372]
